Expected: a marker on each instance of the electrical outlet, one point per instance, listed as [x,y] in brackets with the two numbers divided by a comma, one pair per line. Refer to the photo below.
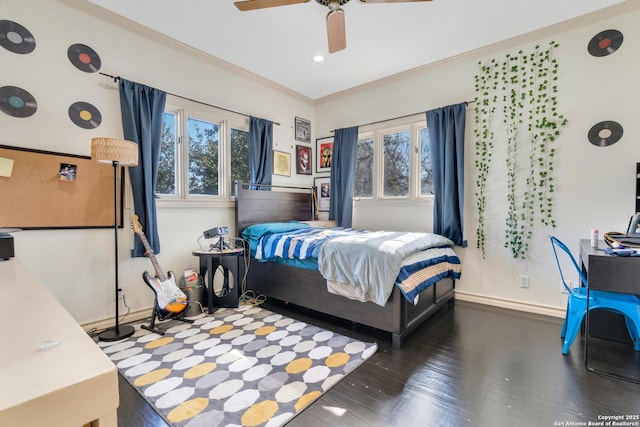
[524,281]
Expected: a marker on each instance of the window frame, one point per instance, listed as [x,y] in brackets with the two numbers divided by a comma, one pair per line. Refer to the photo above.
[185,109]
[414,126]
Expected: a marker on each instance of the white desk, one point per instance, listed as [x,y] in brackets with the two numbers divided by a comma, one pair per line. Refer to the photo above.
[71,384]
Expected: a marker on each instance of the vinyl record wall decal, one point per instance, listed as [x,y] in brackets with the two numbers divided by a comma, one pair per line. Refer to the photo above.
[16,38]
[605,43]
[84,58]
[85,115]
[17,102]
[605,133]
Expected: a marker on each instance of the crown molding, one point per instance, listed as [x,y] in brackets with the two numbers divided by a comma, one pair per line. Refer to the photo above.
[99,12]
[103,14]
[533,36]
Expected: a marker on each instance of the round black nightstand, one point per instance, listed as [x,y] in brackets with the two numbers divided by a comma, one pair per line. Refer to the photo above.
[229,265]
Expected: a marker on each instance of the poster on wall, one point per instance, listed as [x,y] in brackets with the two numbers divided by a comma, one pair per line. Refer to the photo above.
[281,163]
[323,193]
[324,150]
[303,130]
[303,160]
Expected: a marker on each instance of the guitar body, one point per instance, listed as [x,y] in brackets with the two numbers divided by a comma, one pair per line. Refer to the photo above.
[168,295]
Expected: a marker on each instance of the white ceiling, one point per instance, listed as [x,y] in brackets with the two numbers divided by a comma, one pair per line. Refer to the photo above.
[382,39]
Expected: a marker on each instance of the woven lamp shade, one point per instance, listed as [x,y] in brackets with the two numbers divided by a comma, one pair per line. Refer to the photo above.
[108,150]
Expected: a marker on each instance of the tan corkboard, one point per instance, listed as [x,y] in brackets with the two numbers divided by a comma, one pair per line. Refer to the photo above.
[43,189]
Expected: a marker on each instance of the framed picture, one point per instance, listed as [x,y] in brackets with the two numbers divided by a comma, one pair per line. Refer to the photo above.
[303,130]
[323,195]
[324,150]
[281,163]
[303,160]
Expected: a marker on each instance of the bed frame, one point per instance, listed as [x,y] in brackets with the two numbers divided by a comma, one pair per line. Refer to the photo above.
[307,288]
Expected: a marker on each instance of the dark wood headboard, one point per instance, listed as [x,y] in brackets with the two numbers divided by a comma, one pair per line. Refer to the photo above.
[277,203]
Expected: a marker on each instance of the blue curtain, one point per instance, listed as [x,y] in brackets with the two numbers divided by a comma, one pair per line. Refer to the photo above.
[446,137]
[142,110]
[260,152]
[343,169]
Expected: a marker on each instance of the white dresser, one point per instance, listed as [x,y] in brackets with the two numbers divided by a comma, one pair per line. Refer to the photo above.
[51,372]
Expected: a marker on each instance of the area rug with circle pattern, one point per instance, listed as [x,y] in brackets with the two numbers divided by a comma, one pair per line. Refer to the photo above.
[238,367]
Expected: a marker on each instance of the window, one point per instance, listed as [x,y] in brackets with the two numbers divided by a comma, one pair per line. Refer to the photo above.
[203,151]
[394,163]
[166,183]
[364,168]
[426,174]
[239,157]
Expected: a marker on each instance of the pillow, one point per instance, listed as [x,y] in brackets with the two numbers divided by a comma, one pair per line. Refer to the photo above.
[256,231]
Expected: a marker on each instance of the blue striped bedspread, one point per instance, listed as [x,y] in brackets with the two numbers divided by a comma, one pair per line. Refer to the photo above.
[298,244]
[411,261]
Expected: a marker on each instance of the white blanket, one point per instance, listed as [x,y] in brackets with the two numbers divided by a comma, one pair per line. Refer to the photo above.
[372,260]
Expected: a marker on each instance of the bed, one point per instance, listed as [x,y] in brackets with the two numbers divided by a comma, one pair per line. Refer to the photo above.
[307,287]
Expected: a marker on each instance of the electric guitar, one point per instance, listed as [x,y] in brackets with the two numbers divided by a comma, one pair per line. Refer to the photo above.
[168,295]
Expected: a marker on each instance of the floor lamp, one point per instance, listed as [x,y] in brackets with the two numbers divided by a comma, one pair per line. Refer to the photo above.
[118,152]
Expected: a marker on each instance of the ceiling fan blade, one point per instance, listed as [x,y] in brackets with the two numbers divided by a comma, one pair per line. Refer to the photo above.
[261,4]
[336,33]
[390,1]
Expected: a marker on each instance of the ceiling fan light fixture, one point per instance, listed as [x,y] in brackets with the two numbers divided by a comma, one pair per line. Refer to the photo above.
[336,33]
[333,5]
[327,2]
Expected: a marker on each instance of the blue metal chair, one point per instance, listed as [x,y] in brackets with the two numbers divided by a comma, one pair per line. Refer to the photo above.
[628,305]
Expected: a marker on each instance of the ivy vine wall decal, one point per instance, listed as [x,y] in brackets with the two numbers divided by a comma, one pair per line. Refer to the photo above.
[523,87]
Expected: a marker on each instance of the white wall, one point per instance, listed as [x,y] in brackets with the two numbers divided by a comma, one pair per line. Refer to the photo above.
[77,265]
[596,186]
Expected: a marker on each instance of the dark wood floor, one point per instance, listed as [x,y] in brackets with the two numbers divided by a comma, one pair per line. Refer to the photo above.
[470,365]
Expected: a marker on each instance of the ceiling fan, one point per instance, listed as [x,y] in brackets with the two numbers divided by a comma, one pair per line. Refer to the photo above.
[336,33]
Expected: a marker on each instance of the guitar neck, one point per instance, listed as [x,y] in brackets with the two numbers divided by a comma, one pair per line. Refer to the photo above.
[149,252]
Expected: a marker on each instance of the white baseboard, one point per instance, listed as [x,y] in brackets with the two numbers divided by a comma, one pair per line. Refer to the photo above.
[512,305]
[462,296]
[109,322]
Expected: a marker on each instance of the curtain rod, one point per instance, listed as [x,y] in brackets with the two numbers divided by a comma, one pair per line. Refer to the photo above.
[401,117]
[116,78]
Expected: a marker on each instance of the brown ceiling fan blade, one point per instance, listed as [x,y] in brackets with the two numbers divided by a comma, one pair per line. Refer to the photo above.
[390,1]
[262,4]
[336,33]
